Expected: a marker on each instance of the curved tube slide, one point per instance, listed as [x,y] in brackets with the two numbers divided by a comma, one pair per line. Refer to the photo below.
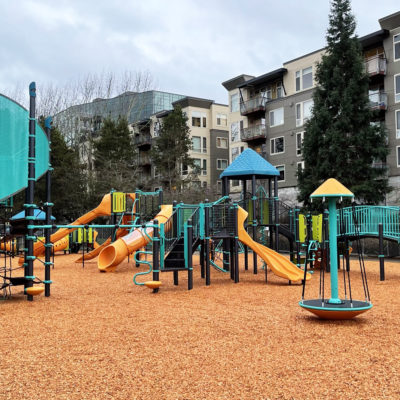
[116,252]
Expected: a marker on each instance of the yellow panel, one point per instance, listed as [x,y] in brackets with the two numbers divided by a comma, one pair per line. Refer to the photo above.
[331,188]
[118,202]
[302,228]
[317,227]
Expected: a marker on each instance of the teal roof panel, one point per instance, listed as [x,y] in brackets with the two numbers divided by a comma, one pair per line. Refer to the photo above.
[247,164]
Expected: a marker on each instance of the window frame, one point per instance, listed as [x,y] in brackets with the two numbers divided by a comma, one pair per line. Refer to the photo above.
[300,163]
[284,172]
[197,168]
[237,123]
[204,170]
[270,145]
[220,138]
[236,95]
[224,118]
[302,120]
[397,43]
[222,159]
[283,117]
[396,93]
[397,156]
[201,142]
[299,150]
[201,116]
[298,78]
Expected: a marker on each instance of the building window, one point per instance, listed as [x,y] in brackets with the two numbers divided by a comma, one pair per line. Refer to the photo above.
[235,182]
[222,120]
[303,112]
[222,164]
[300,166]
[276,117]
[281,169]
[396,47]
[397,124]
[199,119]
[398,156]
[299,142]
[222,143]
[304,79]
[219,187]
[279,90]
[235,102]
[277,145]
[197,165]
[234,152]
[157,128]
[196,144]
[397,88]
[204,170]
[204,185]
[184,169]
[235,133]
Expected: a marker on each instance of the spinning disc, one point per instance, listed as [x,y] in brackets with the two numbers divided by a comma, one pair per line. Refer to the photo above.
[344,310]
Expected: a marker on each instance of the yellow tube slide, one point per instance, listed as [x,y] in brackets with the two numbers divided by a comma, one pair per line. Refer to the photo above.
[279,264]
[116,252]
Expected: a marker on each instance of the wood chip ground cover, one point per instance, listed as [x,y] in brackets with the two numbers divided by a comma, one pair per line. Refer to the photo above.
[101,337]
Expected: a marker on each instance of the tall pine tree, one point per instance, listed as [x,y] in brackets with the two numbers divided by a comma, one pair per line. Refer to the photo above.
[340,141]
[170,152]
[114,158]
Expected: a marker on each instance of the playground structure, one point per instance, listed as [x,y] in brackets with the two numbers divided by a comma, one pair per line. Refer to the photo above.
[170,234]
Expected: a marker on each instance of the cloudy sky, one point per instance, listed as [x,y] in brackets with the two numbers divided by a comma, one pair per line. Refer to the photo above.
[188,46]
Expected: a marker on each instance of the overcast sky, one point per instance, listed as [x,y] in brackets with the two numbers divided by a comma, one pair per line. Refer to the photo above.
[188,46]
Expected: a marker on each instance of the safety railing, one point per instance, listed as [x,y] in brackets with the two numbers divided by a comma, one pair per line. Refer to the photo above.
[365,220]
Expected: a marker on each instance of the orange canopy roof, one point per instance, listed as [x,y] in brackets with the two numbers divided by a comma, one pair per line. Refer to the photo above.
[332,188]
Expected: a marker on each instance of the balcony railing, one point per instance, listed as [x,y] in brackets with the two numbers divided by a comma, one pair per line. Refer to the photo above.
[144,160]
[376,65]
[378,101]
[253,105]
[142,140]
[253,132]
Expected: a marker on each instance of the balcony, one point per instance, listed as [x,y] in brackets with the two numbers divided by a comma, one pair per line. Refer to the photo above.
[378,101]
[253,132]
[143,140]
[144,160]
[254,105]
[376,66]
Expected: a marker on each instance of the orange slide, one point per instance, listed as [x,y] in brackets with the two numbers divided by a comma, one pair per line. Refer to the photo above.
[103,209]
[116,252]
[279,264]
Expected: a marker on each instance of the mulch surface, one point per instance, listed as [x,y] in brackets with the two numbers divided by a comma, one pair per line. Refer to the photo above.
[101,337]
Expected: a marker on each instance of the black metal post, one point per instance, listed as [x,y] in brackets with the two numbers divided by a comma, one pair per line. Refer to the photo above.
[270,214]
[48,205]
[225,242]
[30,192]
[207,243]
[190,253]
[160,198]
[156,253]
[236,245]
[202,264]
[253,199]
[276,202]
[381,254]
[246,250]
[326,241]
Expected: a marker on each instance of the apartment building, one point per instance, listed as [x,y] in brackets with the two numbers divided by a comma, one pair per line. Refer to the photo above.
[275,106]
[209,131]
[80,124]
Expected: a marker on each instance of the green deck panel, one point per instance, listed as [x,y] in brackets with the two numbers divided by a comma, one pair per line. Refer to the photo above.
[14,131]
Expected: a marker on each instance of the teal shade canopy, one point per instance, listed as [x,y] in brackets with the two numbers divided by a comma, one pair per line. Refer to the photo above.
[248,164]
[14,145]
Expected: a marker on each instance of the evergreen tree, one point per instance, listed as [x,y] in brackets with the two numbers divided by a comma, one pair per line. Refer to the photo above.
[340,141]
[68,182]
[170,152]
[114,158]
